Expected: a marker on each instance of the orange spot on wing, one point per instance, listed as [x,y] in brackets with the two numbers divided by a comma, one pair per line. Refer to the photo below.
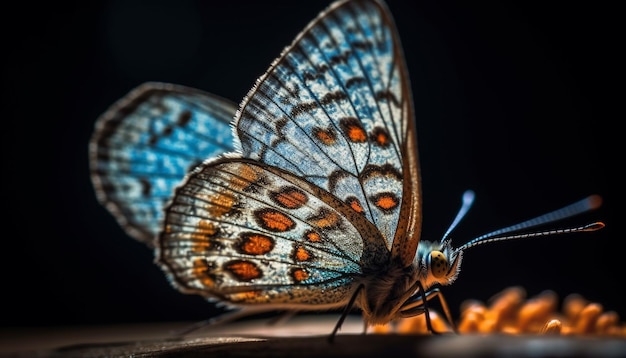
[244,296]
[205,229]
[299,275]
[301,254]
[325,136]
[326,220]
[201,271]
[255,244]
[352,128]
[220,204]
[355,204]
[386,201]
[202,236]
[291,198]
[243,270]
[202,246]
[356,134]
[381,137]
[274,220]
[245,176]
[312,236]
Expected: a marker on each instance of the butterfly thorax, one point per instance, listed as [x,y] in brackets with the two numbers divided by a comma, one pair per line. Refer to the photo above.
[385,291]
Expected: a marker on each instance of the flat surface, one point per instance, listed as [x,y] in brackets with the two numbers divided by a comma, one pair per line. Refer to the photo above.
[301,336]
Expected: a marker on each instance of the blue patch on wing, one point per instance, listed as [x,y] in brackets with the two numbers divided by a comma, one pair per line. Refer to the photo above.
[145,144]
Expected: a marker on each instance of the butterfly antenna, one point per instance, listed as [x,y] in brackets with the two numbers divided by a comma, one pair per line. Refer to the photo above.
[468,200]
[589,203]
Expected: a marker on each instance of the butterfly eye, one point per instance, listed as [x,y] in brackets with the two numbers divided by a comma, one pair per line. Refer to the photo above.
[438,264]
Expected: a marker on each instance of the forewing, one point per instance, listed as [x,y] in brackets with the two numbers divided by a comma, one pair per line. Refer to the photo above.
[145,144]
[335,109]
[246,233]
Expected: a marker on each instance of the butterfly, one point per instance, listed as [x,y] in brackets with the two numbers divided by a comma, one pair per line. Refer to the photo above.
[306,196]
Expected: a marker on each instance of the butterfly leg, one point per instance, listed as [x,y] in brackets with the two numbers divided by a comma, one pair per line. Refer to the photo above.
[444,305]
[418,304]
[345,312]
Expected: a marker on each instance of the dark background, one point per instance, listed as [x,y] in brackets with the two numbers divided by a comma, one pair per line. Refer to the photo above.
[514,101]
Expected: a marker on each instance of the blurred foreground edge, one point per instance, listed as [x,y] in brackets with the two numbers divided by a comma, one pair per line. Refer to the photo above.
[306,340]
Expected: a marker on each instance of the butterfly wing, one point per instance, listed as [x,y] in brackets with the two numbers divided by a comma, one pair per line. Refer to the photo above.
[246,233]
[146,142]
[326,148]
[335,109]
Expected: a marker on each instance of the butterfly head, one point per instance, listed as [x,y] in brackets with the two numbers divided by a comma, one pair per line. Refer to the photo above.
[438,263]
